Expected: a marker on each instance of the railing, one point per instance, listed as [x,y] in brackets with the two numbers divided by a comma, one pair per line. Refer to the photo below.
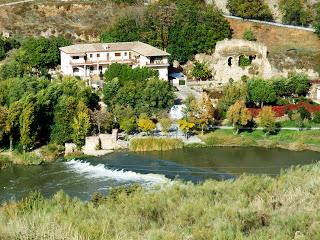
[158,62]
[91,62]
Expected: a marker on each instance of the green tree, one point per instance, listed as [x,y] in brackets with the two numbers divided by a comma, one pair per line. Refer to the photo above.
[261,91]
[197,28]
[201,71]
[295,12]
[299,84]
[267,120]
[3,119]
[252,9]
[12,121]
[64,112]
[249,35]
[238,115]
[80,125]
[128,124]
[316,23]
[26,120]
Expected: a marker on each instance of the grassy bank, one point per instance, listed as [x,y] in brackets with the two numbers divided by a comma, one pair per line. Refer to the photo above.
[9,158]
[251,207]
[292,140]
[154,144]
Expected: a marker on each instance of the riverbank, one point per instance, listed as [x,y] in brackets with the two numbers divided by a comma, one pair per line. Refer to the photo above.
[250,207]
[8,159]
[286,139]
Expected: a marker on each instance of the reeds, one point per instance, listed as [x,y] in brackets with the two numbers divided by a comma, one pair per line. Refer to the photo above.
[154,144]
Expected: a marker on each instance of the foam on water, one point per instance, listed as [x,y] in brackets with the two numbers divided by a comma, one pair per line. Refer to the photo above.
[101,171]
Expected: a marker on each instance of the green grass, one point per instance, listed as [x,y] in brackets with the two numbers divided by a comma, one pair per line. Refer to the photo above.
[294,140]
[251,207]
[154,144]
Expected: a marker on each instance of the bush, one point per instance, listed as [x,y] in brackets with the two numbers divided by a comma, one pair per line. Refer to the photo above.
[304,113]
[253,9]
[249,35]
[154,144]
[316,117]
[244,61]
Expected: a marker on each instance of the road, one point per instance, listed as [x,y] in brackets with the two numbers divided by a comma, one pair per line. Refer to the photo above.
[15,3]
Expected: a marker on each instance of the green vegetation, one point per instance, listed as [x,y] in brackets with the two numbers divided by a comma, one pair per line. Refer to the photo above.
[293,140]
[261,92]
[38,111]
[201,71]
[138,89]
[295,12]
[9,158]
[238,116]
[249,35]
[154,144]
[250,207]
[253,9]
[173,26]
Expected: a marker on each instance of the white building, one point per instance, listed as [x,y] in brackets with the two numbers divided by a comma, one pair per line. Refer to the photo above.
[87,60]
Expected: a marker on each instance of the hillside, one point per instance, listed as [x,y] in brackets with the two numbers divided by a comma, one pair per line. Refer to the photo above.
[301,46]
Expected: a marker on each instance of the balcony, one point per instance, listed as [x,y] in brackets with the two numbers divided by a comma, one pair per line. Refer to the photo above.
[158,63]
[81,62]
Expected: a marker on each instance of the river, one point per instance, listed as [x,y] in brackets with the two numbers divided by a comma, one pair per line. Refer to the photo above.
[80,178]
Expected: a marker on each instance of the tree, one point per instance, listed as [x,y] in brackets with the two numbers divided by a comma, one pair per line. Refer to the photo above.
[201,112]
[201,71]
[64,112]
[3,119]
[80,125]
[316,24]
[185,126]
[165,124]
[267,120]
[251,9]
[249,35]
[238,115]
[125,73]
[102,119]
[261,91]
[232,93]
[26,120]
[295,12]
[197,29]
[12,121]
[146,124]
[43,53]
[128,124]
[299,84]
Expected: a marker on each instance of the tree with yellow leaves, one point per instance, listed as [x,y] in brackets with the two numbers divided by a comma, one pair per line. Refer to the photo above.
[185,126]
[146,124]
[201,112]
[238,115]
[267,120]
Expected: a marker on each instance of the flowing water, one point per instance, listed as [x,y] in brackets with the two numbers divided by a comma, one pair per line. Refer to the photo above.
[81,178]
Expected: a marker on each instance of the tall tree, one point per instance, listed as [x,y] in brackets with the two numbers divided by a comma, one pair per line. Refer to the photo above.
[261,91]
[80,125]
[26,120]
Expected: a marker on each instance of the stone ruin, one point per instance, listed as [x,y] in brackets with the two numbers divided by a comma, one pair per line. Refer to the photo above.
[225,62]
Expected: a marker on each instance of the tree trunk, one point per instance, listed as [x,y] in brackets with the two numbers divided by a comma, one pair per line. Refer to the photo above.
[201,130]
[11,140]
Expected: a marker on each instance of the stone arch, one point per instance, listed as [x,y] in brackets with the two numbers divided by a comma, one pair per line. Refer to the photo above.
[230,61]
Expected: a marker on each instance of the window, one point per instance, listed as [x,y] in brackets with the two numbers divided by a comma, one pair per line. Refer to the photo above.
[91,68]
[125,54]
[75,57]
[76,70]
[91,55]
[98,55]
[117,54]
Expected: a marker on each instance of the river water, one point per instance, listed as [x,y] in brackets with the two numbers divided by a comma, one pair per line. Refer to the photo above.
[81,178]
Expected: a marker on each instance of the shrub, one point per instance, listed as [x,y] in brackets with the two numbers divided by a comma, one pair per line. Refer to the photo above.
[244,61]
[154,144]
[254,9]
[249,35]
[316,117]
[304,113]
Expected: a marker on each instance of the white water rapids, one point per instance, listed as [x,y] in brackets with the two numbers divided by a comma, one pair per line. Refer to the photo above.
[101,171]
